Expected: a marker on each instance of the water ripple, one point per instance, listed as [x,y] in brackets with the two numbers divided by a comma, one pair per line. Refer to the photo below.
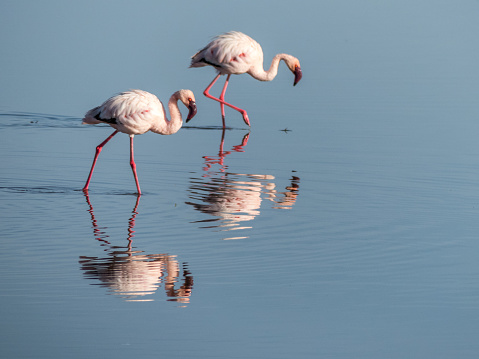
[37,190]
[31,119]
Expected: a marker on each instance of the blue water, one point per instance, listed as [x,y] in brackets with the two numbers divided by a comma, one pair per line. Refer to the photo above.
[343,224]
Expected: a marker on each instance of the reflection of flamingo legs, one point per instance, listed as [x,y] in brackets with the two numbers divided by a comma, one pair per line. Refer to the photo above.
[211,160]
[131,223]
[97,231]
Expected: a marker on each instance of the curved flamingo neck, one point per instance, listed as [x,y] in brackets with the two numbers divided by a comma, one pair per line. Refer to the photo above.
[169,127]
[260,74]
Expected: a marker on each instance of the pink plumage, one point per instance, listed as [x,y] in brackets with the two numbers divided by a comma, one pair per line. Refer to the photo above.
[235,53]
[135,112]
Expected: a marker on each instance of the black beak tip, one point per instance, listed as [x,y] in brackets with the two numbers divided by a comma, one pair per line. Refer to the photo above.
[192,112]
[298,74]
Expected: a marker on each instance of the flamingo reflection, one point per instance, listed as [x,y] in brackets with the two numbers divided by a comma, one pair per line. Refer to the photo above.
[210,161]
[132,274]
[235,198]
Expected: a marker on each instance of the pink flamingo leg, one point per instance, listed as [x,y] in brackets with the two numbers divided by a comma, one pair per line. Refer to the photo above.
[133,165]
[222,102]
[97,153]
[222,98]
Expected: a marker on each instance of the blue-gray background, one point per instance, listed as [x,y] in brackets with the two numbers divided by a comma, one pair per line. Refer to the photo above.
[375,258]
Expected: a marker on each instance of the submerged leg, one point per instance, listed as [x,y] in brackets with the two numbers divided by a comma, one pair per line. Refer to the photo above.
[97,153]
[223,102]
[133,164]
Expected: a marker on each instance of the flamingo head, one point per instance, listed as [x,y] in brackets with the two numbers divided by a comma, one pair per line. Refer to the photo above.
[188,99]
[293,64]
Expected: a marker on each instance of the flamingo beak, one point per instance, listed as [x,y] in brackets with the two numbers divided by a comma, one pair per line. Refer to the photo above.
[298,74]
[192,112]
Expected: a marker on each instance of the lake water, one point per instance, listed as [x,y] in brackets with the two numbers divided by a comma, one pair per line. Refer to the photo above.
[343,224]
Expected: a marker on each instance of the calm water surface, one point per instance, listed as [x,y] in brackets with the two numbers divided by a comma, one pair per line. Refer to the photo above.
[344,224]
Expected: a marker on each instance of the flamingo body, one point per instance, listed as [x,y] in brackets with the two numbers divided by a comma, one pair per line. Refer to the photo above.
[230,53]
[136,112]
[235,53]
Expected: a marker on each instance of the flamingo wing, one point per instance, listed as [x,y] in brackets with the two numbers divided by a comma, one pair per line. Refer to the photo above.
[131,112]
[230,53]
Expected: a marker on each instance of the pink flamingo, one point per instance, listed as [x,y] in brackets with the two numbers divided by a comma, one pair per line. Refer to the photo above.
[237,53]
[135,112]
